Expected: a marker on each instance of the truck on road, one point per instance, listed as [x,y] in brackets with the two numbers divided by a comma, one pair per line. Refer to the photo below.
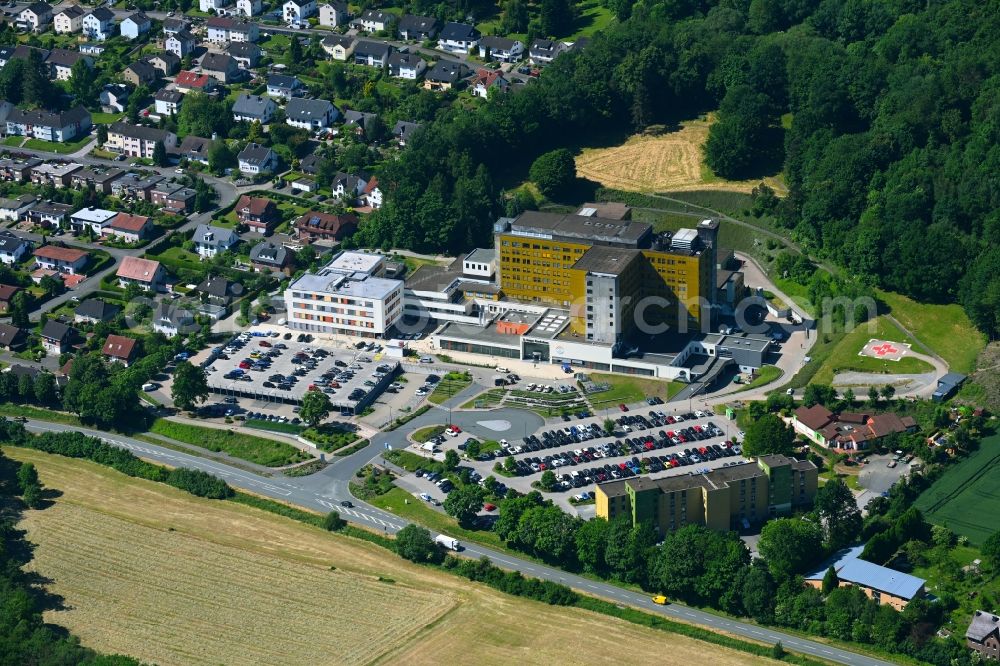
[448,542]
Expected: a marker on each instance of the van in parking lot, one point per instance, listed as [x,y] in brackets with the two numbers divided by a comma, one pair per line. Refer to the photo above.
[426,359]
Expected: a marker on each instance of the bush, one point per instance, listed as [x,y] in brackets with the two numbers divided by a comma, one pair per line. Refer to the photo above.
[332,522]
[415,543]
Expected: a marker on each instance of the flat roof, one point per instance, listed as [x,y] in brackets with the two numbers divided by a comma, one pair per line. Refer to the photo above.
[549,325]
[482,255]
[94,214]
[747,341]
[432,277]
[609,210]
[479,335]
[534,223]
[606,259]
[355,261]
[359,285]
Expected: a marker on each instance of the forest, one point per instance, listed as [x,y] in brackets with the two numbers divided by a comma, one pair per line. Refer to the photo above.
[889,143]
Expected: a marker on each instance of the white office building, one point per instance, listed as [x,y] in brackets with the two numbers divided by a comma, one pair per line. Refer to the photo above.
[346,297]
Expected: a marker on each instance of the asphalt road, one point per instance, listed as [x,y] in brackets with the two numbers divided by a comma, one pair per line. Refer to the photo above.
[295,491]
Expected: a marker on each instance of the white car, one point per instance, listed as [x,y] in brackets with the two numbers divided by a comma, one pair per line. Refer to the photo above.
[425,497]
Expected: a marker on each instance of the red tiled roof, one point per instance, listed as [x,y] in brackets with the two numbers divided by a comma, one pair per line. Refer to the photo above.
[118,346]
[134,268]
[325,223]
[60,253]
[815,417]
[372,184]
[255,205]
[192,80]
[127,222]
[7,292]
[885,424]
[486,77]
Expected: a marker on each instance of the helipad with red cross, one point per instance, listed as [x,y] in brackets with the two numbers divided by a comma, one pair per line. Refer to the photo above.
[885,350]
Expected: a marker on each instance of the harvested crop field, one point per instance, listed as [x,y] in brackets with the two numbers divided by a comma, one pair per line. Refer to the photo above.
[672,161]
[193,581]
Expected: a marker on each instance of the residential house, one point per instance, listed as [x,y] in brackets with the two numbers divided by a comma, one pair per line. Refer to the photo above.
[57,173]
[135,25]
[21,52]
[68,20]
[129,228]
[258,213]
[407,66]
[359,119]
[486,79]
[146,273]
[221,67]
[137,140]
[458,37]
[218,290]
[280,85]
[165,63]
[847,431]
[171,26]
[35,17]
[134,186]
[140,73]
[94,311]
[403,130]
[332,14]
[56,337]
[7,293]
[18,170]
[310,114]
[297,11]
[187,82]
[48,215]
[114,97]
[501,48]
[59,126]
[98,178]
[91,219]
[68,260]
[348,187]
[310,164]
[251,108]
[212,6]
[373,54]
[881,584]
[445,75]
[194,149]
[217,29]
[60,63]
[270,258]
[179,43]
[339,47]
[173,198]
[210,241]
[256,159]
[983,635]
[12,338]
[167,102]
[313,226]
[171,320]
[12,248]
[99,24]
[223,29]
[418,28]
[372,195]
[375,20]
[5,109]
[249,8]
[543,51]
[12,210]
[119,349]
[246,54]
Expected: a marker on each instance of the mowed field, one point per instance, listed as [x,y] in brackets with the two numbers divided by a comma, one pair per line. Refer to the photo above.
[672,161]
[149,571]
[967,497]
[845,356]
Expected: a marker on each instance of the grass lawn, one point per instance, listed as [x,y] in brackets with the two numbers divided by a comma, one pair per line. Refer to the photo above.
[592,17]
[944,328]
[450,385]
[288,428]
[258,450]
[102,118]
[766,375]
[966,498]
[38,413]
[630,389]
[56,147]
[179,257]
[844,355]
[424,434]
[486,400]
[799,293]
[13,141]
[818,356]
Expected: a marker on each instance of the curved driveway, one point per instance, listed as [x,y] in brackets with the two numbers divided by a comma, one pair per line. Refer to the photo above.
[298,492]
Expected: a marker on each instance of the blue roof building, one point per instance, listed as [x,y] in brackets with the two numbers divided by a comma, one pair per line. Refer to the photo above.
[884,585]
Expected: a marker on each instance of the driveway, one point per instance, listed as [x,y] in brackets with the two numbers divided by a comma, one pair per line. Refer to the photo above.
[877,477]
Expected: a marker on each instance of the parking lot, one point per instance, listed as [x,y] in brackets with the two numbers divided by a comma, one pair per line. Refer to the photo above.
[270,367]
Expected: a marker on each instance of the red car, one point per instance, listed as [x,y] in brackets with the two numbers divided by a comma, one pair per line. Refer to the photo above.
[649,446]
[244,365]
[623,407]
[489,507]
[265,343]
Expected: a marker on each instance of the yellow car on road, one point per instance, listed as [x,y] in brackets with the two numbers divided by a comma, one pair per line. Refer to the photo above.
[660,599]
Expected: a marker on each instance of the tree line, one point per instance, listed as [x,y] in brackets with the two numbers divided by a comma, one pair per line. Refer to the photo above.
[892,133]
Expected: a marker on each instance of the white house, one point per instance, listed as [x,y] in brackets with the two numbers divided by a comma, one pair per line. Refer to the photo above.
[35,17]
[99,24]
[458,38]
[297,11]
[372,195]
[407,66]
[212,5]
[249,8]
[210,241]
[91,218]
[179,43]
[254,108]
[168,102]
[12,248]
[501,48]
[332,14]
[135,25]
[256,159]
[375,20]
[68,20]
[310,114]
